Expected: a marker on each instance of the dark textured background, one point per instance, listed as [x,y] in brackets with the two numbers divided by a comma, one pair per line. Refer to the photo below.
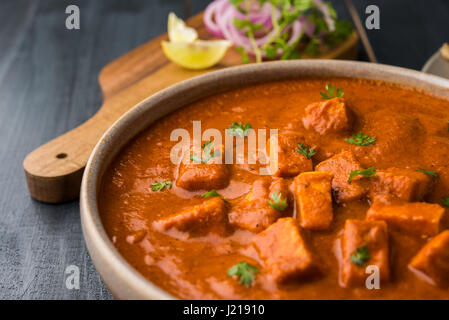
[48,85]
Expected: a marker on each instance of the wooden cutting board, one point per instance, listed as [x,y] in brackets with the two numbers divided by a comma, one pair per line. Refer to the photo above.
[54,171]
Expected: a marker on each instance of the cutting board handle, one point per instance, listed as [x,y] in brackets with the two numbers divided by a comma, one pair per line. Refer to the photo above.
[54,171]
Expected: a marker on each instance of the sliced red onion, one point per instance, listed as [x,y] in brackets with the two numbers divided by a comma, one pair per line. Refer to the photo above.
[211,13]
[220,15]
[262,16]
[326,14]
[297,29]
[223,22]
[309,27]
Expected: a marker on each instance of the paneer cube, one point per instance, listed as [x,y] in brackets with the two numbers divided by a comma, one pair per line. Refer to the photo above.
[341,165]
[195,175]
[284,251]
[284,159]
[416,218]
[403,184]
[314,200]
[329,116]
[364,243]
[199,220]
[254,212]
[203,176]
[432,261]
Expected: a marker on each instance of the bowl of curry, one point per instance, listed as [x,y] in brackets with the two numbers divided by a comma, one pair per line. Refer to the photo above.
[284,180]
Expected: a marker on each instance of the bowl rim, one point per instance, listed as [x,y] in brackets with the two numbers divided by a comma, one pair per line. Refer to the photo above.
[128,282]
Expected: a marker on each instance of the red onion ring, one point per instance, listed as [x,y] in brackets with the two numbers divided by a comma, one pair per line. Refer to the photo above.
[220,14]
[324,9]
[210,14]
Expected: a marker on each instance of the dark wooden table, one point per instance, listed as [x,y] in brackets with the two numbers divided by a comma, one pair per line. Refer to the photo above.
[48,85]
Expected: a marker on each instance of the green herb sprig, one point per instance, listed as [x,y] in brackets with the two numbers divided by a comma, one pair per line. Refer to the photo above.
[361,139]
[277,202]
[207,151]
[238,129]
[361,256]
[306,152]
[445,201]
[160,185]
[244,54]
[332,92]
[431,174]
[370,172]
[213,193]
[245,272]
[283,13]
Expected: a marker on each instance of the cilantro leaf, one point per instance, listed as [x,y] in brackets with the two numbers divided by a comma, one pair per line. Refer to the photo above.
[445,201]
[237,4]
[245,272]
[284,13]
[277,202]
[158,186]
[343,29]
[281,45]
[431,174]
[306,152]
[313,47]
[246,24]
[370,172]
[213,193]
[207,151]
[332,92]
[271,52]
[209,194]
[239,130]
[244,54]
[361,139]
[361,256]
[303,5]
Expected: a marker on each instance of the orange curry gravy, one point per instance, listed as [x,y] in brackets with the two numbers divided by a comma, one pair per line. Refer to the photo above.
[411,131]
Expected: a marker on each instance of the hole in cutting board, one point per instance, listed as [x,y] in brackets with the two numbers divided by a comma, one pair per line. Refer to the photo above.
[61,155]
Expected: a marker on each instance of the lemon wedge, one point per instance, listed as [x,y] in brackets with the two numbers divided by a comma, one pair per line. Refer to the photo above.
[196,55]
[178,31]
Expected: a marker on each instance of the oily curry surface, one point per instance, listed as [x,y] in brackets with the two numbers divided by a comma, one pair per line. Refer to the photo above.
[304,232]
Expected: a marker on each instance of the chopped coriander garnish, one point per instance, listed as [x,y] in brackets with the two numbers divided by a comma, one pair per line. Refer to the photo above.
[280,43]
[210,194]
[213,193]
[245,272]
[361,139]
[237,4]
[245,57]
[289,50]
[250,29]
[277,202]
[431,174]
[246,23]
[306,152]
[158,186]
[313,48]
[239,130]
[208,154]
[361,256]
[370,172]
[445,201]
[332,92]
